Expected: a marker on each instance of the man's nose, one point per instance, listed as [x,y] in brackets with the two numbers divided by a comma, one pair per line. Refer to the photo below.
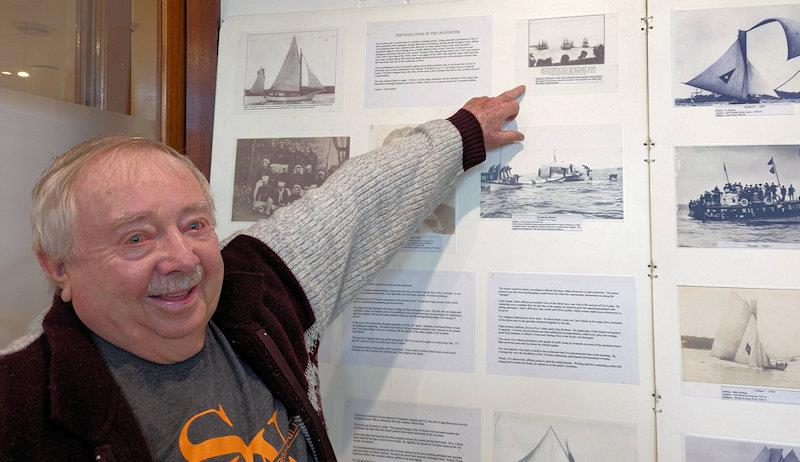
[177,252]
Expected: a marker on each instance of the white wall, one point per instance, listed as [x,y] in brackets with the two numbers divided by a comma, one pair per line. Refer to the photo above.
[35,130]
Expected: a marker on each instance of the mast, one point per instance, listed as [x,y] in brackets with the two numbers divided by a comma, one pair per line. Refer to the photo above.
[774,169]
[300,84]
[724,168]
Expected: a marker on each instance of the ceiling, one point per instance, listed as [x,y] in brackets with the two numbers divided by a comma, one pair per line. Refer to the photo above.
[38,37]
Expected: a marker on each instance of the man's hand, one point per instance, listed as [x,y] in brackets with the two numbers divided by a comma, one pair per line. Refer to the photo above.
[493,112]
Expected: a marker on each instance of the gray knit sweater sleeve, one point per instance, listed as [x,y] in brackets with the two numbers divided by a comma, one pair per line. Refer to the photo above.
[339,236]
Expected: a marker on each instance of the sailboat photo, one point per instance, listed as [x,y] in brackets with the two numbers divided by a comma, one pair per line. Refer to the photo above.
[733,77]
[291,83]
[737,338]
[550,449]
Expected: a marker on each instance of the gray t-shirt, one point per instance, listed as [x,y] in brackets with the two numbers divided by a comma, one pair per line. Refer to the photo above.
[210,407]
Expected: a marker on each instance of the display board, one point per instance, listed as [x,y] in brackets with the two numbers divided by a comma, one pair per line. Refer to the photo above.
[723,99]
[562,301]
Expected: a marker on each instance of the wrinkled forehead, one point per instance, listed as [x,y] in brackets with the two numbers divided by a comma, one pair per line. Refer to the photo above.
[129,165]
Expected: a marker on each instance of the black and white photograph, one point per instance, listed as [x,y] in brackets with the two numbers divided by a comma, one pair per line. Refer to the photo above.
[740,336]
[726,56]
[535,438]
[571,169]
[738,196]
[567,41]
[704,448]
[443,219]
[291,70]
[271,173]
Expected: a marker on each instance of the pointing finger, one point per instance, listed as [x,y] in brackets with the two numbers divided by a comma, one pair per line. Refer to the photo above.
[514,93]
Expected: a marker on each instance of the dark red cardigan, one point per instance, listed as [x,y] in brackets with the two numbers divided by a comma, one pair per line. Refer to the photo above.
[58,400]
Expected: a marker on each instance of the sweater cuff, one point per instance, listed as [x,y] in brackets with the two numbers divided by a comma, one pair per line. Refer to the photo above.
[471,137]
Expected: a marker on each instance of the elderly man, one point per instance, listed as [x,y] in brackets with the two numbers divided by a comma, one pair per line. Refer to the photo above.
[159,346]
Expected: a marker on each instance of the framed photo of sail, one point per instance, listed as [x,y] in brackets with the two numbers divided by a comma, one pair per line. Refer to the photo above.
[699,448]
[742,337]
[731,56]
[529,438]
[557,170]
[738,196]
[292,71]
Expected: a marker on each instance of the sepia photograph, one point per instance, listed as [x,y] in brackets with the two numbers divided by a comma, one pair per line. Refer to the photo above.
[703,449]
[737,55]
[740,336]
[532,438]
[443,218]
[271,173]
[737,195]
[294,70]
[571,169]
[567,41]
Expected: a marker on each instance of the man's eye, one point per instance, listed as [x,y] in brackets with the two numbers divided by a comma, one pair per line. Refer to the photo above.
[195,225]
[135,239]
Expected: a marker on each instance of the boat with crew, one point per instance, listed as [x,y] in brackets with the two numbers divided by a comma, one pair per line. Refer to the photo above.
[765,203]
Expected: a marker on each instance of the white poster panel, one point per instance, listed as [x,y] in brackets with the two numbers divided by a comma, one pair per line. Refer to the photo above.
[435,62]
[378,431]
[579,327]
[413,319]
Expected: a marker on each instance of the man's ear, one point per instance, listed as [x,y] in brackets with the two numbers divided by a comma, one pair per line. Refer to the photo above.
[56,271]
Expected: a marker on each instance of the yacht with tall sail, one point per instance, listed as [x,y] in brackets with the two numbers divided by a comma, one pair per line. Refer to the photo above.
[733,75]
[738,339]
[291,83]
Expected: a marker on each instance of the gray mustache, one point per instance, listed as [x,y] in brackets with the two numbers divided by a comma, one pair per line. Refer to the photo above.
[175,282]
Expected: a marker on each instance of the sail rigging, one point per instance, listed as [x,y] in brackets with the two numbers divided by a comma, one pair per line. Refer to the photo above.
[734,76]
[549,449]
[289,81]
[737,338]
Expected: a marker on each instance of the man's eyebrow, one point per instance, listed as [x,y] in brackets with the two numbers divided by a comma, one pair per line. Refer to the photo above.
[202,206]
[127,218]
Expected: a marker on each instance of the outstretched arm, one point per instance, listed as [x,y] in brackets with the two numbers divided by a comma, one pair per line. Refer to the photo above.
[338,237]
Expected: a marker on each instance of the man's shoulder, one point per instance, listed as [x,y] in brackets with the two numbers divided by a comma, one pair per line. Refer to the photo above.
[23,387]
[22,371]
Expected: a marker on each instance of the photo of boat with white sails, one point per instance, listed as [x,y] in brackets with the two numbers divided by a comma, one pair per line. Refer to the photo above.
[740,336]
[737,195]
[294,70]
[564,170]
[535,438]
[703,449]
[736,55]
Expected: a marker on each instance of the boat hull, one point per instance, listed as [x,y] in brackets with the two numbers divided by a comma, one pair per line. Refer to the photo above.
[290,98]
[496,185]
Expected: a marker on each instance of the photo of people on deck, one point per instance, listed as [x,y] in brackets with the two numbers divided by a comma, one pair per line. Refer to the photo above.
[556,172]
[569,41]
[273,172]
[737,194]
